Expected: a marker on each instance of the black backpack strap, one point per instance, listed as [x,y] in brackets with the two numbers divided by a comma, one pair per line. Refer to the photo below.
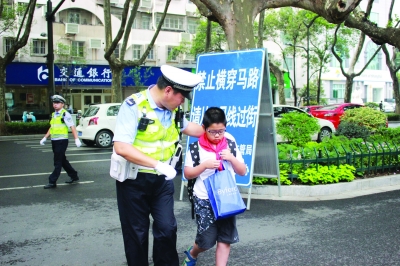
[232,146]
[194,152]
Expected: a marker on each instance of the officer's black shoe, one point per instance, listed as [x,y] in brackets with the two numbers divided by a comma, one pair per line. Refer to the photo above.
[72,180]
[50,185]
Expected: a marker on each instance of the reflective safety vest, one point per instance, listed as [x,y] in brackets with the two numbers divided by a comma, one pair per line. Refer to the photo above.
[156,141]
[58,129]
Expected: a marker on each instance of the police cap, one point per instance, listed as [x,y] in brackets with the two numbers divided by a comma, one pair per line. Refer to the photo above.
[181,80]
[57,99]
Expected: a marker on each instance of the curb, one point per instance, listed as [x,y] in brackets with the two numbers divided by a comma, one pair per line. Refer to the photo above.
[21,137]
[325,192]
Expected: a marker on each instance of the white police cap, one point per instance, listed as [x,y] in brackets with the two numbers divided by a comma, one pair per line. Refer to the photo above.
[182,80]
[57,98]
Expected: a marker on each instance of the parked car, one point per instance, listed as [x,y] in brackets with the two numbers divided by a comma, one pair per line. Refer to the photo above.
[389,107]
[309,108]
[333,112]
[97,124]
[326,127]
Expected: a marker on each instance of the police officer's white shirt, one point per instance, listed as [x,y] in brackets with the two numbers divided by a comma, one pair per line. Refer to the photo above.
[127,119]
[199,188]
[67,119]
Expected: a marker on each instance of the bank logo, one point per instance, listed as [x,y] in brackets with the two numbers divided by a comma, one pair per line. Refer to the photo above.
[42,74]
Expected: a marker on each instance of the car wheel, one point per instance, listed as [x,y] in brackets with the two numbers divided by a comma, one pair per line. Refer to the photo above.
[88,142]
[325,132]
[104,139]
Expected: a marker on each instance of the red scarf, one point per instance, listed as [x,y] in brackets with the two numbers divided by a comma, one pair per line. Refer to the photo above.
[205,144]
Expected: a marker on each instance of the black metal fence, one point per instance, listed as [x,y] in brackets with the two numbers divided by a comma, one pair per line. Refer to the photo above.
[367,157]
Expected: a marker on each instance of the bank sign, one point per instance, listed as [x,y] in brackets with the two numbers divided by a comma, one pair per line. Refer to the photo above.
[86,75]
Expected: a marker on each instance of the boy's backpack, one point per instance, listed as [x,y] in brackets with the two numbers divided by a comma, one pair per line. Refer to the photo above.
[194,152]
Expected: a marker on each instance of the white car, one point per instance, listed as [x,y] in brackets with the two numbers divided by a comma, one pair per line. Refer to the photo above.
[97,124]
[326,127]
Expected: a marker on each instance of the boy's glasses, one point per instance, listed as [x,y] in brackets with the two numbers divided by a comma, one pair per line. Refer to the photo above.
[215,132]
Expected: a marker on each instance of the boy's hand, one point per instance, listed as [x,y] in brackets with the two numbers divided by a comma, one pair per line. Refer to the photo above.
[226,155]
[211,164]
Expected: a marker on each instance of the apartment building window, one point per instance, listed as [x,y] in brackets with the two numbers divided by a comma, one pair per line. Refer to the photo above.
[338,91]
[376,61]
[288,63]
[146,22]
[8,43]
[38,47]
[170,53]
[77,49]
[137,49]
[150,56]
[171,22]
[116,51]
[335,63]
[192,26]
[135,24]
[74,17]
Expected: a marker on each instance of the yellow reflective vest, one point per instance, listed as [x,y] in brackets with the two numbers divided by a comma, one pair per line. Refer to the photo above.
[58,129]
[156,141]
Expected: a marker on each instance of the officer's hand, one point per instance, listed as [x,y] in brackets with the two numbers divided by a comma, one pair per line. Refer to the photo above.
[43,141]
[78,143]
[166,170]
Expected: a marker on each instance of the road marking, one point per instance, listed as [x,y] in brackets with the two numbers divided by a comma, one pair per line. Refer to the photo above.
[90,161]
[4,176]
[80,154]
[13,188]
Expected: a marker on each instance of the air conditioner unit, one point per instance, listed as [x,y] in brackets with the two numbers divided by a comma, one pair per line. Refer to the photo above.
[95,44]
[185,37]
[145,3]
[71,28]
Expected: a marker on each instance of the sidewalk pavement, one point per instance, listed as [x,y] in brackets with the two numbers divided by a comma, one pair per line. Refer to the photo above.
[356,188]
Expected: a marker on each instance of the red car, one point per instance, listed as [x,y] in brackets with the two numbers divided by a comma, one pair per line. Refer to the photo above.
[310,108]
[333,112]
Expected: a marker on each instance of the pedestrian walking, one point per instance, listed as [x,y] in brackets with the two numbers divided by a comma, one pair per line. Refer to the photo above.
[381,106]
[147,130]
[61,120]
[212,151]
[7,115]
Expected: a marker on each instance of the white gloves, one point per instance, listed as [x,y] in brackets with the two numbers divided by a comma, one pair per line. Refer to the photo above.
[166,170]
[43,141]
[78,143]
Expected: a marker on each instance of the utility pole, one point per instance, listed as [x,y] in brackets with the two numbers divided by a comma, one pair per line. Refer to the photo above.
[50,48]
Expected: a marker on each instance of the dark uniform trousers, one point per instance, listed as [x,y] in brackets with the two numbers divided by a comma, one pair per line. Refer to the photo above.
[60,161]
[137,199]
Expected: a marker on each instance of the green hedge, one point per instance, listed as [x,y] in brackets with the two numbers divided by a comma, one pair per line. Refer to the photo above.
[20,128]
[393,117]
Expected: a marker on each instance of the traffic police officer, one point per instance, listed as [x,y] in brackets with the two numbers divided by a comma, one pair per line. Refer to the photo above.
[145,135]
[60,121]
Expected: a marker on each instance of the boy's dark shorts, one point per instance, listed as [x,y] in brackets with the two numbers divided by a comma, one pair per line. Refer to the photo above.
[209,230]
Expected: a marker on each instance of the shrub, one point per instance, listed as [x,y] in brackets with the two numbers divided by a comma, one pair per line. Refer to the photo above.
[317,174]
[20,128]
[393,117]
[297,128]
[352,130]
[368,117]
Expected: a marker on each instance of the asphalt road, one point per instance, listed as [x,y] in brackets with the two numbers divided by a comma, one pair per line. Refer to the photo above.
[79,225]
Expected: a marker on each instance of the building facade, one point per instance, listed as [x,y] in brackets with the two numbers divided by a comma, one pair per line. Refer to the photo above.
[81,73]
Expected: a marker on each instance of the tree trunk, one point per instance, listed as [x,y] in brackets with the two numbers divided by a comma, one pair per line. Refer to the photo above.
[348,88]
[208,36]
[116,89]
[3,101]
[281,85]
